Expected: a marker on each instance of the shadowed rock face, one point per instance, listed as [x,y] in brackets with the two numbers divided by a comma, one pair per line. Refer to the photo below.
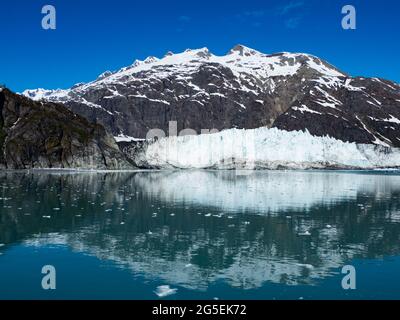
[47,135]
[243,89]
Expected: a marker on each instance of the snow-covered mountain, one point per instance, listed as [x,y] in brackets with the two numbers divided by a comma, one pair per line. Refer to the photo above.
[243,89]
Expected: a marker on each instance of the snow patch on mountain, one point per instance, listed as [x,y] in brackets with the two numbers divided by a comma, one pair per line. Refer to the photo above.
[304,108]
[124,138]
[43,94]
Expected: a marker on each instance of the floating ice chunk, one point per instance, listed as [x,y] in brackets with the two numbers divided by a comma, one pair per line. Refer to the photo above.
[306,233]
[46,217]
[308,266]
[165,291]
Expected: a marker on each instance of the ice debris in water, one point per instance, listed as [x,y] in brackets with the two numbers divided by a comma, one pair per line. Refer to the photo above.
[165,291]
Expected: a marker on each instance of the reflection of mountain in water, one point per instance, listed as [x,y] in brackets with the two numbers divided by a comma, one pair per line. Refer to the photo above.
[193,228]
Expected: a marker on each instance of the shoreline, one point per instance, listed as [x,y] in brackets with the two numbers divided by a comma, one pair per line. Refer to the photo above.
[243,171]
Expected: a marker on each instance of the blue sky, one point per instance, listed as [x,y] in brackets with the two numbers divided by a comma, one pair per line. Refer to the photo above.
[94,36]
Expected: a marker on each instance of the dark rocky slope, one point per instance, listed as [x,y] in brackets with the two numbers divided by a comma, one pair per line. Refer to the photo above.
[48,135]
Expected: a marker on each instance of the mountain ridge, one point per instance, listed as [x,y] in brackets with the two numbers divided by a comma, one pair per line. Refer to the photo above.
[245,89]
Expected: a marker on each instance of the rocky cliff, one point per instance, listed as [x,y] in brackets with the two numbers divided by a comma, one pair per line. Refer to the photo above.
[48,135]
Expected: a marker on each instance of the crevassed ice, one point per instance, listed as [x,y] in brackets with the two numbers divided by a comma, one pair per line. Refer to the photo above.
[265,148]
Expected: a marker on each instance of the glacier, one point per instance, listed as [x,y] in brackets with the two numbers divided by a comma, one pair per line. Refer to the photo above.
[262,148]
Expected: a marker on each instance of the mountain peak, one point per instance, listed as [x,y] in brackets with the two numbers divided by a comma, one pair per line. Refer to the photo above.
[100,77]
[243,51]
[151,59]
[136,63]
[203,53]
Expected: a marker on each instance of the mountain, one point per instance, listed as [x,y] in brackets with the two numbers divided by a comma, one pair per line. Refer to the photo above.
[244,89]
[48,135]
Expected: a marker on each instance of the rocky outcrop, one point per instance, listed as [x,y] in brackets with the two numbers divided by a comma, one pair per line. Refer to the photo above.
[48,135]
[244,89]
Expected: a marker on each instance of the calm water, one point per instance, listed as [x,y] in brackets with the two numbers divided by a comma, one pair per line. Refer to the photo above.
[225,235]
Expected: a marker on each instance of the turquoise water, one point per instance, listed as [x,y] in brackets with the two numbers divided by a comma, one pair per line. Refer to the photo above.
[205,234]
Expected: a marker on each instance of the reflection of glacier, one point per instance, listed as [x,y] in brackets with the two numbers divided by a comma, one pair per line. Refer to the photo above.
[264,191]
[348,215]
[249,266]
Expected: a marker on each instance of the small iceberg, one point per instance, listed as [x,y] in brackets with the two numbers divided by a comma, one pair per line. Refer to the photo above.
[165,291]
[307,266]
